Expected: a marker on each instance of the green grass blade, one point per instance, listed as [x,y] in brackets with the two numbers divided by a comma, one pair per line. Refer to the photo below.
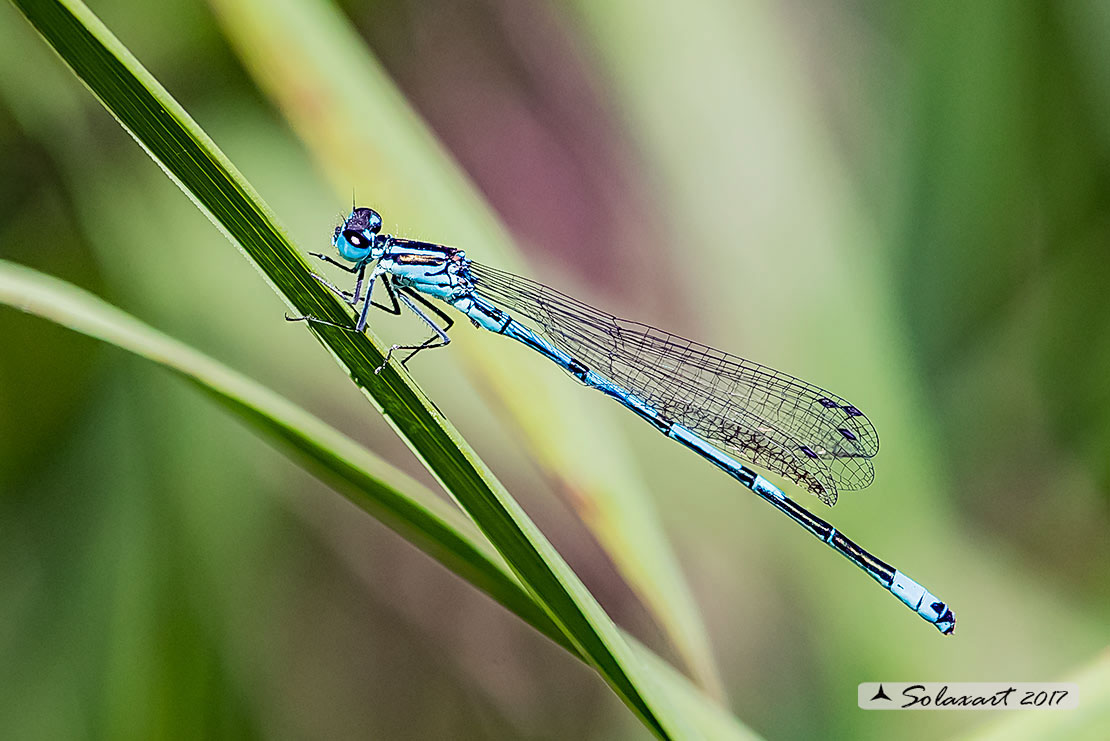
[192,160]
[397,500]
[300,50]
[389,495]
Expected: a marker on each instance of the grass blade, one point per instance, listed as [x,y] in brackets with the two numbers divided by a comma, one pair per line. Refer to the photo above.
[193,161]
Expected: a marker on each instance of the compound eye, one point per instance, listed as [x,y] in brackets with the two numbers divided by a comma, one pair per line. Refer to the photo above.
[356,240]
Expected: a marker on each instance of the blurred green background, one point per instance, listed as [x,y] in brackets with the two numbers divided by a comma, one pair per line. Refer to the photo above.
[907,205]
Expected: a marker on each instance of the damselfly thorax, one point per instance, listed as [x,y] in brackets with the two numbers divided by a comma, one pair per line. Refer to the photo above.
[432,269]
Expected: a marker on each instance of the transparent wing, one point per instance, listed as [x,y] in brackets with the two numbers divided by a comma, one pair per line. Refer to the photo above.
[776,421]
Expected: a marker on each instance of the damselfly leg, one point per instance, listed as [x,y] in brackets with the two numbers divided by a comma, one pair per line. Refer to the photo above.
[439,339]
[353,299]
[407,296]
[336,263]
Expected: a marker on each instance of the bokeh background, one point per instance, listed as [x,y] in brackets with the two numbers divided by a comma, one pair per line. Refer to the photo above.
[907,204]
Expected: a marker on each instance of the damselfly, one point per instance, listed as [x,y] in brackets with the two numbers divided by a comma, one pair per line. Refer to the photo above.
[716,404]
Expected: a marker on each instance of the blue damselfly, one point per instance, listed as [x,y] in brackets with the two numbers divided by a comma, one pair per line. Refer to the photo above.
[716,404]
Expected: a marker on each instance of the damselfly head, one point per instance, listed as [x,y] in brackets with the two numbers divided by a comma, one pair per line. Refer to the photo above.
[355,240]
[363,219]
